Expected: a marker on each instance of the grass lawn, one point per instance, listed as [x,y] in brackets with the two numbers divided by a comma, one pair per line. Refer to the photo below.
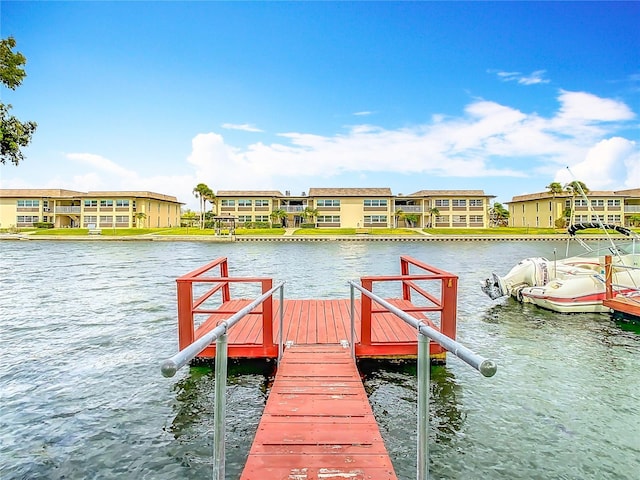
[353,231]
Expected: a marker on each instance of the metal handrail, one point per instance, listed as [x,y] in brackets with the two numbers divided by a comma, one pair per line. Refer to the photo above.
[219,334]
[172,365]
[485,366]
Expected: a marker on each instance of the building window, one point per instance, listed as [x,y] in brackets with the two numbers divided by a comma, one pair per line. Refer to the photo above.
[262,218]
[106,203]
[581,218]
[243,202]
[328,219]
[26,218]
[375,219]
[91,203]
[613,218]
[475,218]
[244,218]
[442,203]
[228,203]
[595,218]
[459,219]
[328,202]
[124,203]
[459,203]
[262,203]
[90,219]
[597,203]
[580,202]
[122,219]
[106,220]
[476,202]
[613,203]
[375,202]
[28,203]
[442,219]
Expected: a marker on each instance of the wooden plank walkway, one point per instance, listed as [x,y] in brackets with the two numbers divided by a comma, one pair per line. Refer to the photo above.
[316,322]
[317,423]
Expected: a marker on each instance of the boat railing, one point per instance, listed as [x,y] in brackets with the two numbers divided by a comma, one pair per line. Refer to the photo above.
[219,336]
[424,332]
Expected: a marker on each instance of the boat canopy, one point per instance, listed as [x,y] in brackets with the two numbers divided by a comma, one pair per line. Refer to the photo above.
[573,229]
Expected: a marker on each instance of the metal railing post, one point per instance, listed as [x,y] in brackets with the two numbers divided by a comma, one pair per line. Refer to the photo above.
[220,407]
[424,366]
[281,336]
[353,323]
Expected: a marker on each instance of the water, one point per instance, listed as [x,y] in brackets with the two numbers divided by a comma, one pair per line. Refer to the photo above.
[84,327]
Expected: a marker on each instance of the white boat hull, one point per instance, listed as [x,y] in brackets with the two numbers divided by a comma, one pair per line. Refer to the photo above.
[572,285]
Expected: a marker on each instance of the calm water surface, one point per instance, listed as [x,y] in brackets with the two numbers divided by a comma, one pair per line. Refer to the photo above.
[84,327]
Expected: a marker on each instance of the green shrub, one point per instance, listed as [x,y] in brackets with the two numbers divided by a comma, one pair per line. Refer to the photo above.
[43,224]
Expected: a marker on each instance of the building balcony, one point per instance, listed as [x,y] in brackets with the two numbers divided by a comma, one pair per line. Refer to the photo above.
[632,209]
[293,208]
[409,208]
[67,210]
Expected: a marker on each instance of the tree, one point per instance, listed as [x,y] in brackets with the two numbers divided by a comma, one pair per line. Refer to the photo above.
[310,213]
[278,215]
[14,134]
[204,193]
[434,212]
[499,215]
[397,216]
[575,188]
[411,219]
[554,188]
[140,217]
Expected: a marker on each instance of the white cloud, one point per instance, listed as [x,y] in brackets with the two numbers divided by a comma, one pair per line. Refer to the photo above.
[533,78]
[490,139]
[362,114]
[101,163]
[246,127]
[610,164]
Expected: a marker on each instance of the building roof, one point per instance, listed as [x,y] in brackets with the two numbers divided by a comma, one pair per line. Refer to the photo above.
[61,193]
[546,195]
[350,192]
[248,193]
[39,193]
[450,193]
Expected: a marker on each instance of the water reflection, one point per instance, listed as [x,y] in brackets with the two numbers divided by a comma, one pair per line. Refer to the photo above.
[393,390]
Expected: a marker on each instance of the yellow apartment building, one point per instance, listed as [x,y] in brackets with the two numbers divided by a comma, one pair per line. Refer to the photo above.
[543,209]
[71,209]
[359,207]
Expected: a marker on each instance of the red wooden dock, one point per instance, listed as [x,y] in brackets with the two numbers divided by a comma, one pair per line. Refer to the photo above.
[378,333]
[628,306]
[318,423]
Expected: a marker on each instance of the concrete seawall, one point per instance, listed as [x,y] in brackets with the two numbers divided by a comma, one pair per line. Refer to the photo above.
[305,238]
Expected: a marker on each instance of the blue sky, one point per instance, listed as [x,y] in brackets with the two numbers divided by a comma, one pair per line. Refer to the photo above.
[161,96]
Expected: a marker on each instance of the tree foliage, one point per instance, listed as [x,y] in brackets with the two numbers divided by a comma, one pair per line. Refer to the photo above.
[205,194]
[14,134]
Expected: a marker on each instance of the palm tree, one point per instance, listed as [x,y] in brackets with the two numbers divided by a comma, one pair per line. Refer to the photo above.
[554,188]
[204,193]
[310,213]
[434,212]
[399,215]
[575,188]
[140,217]
[278,214]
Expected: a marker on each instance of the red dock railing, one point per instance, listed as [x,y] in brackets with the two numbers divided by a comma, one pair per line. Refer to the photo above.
[205,299]
[216,273]
[445,304]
